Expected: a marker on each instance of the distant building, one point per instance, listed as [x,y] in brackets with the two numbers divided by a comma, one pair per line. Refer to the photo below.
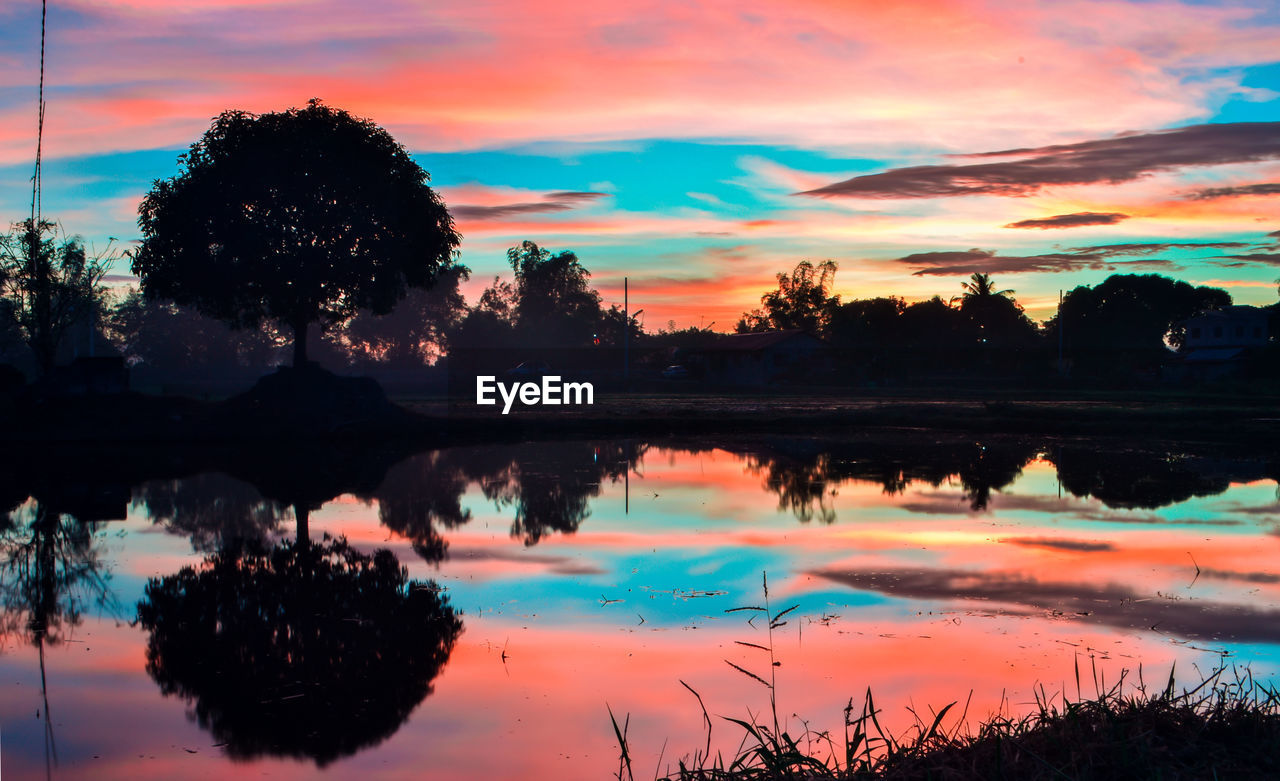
[1217,342]
[1230,326]
[762,358]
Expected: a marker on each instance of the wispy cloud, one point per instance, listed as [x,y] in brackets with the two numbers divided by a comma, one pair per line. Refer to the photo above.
[552,202]
[1081,546]
[1075,220]
[1095,603]
[1102,161]
[1102,256]
[1211,193]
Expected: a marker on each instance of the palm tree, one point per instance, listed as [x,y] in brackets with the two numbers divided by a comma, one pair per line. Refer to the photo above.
[981,286]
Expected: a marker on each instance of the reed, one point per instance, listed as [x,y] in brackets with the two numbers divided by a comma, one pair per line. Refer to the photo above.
[1225,727]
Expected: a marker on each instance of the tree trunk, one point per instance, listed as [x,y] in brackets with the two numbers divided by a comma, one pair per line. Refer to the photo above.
[303,533]
[299,344]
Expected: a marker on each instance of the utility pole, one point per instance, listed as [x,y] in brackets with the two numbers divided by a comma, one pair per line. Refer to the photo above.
[1061,328]
[626,335]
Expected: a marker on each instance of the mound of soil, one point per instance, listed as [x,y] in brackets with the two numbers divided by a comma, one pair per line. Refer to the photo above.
[309,400]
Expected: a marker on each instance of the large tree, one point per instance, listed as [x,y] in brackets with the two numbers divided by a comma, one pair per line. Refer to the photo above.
[302,216]
[1129,312]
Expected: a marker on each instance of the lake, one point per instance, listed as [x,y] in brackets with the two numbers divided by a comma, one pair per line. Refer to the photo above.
[207,615]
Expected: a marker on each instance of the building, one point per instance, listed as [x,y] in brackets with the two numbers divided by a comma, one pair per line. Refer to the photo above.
[1217,343]
[762,358]
[1228,327]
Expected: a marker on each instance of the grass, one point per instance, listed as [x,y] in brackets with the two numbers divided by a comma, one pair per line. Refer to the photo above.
[1226,727]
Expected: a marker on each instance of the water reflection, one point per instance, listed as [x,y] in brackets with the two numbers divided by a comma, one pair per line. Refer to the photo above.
[805,473]
[284,601]
[50,572]
[547,487]
[1133,478]
[50,575]
[213,509]
[306,650]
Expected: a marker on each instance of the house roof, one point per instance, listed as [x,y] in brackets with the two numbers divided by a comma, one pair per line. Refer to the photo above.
[758,341]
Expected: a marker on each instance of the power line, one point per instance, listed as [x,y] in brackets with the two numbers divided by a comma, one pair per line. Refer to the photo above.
[35,178]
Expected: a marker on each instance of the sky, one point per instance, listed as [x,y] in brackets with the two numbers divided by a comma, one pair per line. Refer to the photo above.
[698,148]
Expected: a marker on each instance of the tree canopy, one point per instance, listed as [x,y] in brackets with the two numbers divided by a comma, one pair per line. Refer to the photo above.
[302,216]
[1132,312]
[49,283]
[802,300]
[301,650]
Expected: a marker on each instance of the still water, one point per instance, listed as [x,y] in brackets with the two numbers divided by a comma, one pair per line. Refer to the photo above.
[260,624]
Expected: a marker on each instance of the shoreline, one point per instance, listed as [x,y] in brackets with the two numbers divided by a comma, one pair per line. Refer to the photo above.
[135,418]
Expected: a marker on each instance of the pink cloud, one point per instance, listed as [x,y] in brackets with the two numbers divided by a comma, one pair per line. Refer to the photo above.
[846,75]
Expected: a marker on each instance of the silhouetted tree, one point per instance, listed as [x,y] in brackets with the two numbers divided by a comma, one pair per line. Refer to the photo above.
[168,337]
[301,216]
[871,329]
[980,285]
[939,335]
[549,484]
[801,300]
[552,298]
[1132,314]
[614,325]
[491,322]
[305,650]
[416,332]
[50,284]
[998,319]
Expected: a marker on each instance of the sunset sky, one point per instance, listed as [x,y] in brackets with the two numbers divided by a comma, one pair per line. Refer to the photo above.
[700,147]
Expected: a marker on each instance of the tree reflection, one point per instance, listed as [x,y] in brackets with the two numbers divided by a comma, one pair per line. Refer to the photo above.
[549,484]
[805,488]
[420,493]
[49,574]
[213,509]
[1129,479]
[805,474]
[305,650]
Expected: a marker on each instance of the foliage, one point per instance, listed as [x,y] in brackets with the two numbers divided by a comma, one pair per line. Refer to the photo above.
[549,303]
[172,337]
[1136,312]
[50,573]
[303,650]
[998,318]
[980,285]
[416,332]
[303,216]
[1225,727]
[50,283]
[802,300]
[867,320]
[552,297]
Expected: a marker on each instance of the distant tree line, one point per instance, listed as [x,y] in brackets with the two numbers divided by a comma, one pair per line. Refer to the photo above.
[1128,322]
[282,224]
